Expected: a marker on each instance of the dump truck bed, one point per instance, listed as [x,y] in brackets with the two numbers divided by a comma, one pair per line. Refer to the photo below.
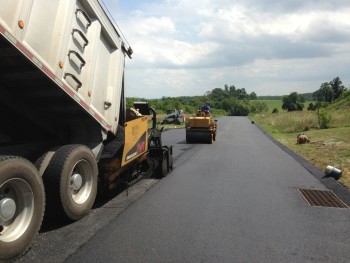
[61,73]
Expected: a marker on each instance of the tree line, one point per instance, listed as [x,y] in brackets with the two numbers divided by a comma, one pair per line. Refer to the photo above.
[224,101]
[234,101]
[325,95]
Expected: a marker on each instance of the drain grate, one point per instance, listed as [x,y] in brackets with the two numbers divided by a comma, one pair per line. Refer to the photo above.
[322,198]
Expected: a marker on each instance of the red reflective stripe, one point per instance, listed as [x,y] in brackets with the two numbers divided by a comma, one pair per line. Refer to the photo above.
[68,90]
[2,29]
[24,50]
[49,72]
[82,103]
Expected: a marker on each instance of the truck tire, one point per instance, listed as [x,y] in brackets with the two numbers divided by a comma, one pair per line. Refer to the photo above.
[71,182]
[43,161]
[22,205]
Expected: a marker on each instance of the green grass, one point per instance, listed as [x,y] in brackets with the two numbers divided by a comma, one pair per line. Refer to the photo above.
[272,104]
[327,146]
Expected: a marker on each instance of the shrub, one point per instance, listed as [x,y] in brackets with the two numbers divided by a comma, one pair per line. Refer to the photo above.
[324,119]
[219,112]
[240,109]
[258,107]
[312,107]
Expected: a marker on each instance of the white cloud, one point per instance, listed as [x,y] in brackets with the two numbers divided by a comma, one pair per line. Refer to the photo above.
[154,25]
[272,47]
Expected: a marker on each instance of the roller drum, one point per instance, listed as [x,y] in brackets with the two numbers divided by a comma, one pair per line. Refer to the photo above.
[199,136]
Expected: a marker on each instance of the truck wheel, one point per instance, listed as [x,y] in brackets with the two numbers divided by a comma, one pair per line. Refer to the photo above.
[71,181]
[22,205]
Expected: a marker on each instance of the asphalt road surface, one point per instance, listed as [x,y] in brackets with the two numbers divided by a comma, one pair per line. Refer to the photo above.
[236,200]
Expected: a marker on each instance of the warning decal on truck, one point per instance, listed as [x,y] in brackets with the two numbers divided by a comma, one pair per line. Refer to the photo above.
[138,148]
[135,139]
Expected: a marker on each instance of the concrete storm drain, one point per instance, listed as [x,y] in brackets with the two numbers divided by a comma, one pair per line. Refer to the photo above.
[321,198]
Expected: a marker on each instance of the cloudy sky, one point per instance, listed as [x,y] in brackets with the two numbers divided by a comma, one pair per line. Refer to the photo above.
[270,47]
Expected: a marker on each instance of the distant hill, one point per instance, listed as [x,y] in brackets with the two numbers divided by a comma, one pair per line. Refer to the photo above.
[270,97]
[307,96]
[343,103]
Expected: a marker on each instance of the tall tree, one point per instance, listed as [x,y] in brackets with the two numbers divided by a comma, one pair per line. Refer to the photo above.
[337,87]
[217,94]
[232,91]
[241,94]
[253,96]
[293,102]
[324,93]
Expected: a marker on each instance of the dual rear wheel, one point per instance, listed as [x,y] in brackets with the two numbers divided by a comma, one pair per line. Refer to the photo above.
[69,178]
[71,181]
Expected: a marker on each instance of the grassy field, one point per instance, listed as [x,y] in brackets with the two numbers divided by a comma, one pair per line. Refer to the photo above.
[327,146]
[272,104]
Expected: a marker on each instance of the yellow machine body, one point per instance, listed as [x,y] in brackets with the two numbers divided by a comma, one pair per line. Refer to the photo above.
[135,146]
[200,121]
[136,139]
[136,152]
[201,128]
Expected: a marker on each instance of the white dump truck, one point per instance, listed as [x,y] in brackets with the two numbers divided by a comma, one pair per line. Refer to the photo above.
[65,132]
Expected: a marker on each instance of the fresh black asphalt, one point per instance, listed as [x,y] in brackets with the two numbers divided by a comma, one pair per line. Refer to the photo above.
[233,201]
